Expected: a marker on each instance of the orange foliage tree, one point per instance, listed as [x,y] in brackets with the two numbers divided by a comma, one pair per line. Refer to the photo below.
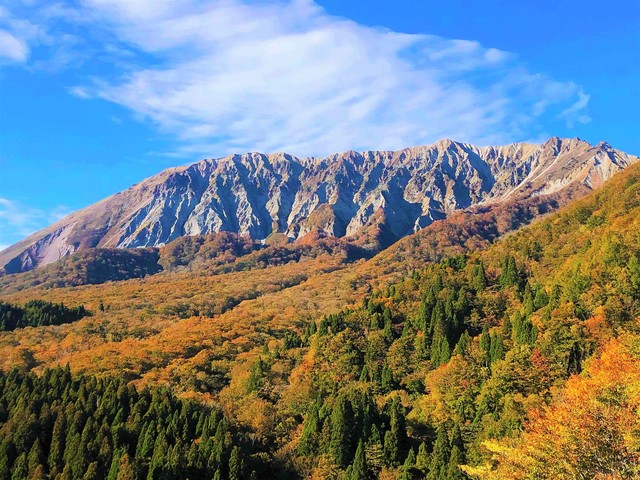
[592,430]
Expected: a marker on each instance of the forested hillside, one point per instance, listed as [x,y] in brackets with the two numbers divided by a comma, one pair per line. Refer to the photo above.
[57,426]
[87,267]
[515,360]
[37,313]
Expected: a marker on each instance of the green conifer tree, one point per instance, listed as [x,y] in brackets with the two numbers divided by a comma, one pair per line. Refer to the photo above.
[485,343]
[308,443]
[92,472]
[36,456]
[235,465]
[409,464]
[395,438]
[440,455]
[479,281]
[423,458]
[20,468]
[496,350]
[506,328]
[115,465]
[341,432]
[359,469]
[462,348]
[453,469]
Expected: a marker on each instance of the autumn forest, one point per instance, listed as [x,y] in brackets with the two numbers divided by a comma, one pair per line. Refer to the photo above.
[501,343]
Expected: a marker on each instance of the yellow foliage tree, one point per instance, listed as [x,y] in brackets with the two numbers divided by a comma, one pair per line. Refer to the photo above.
[591,431]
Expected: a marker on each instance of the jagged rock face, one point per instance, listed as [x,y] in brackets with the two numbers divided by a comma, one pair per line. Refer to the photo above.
[258,195]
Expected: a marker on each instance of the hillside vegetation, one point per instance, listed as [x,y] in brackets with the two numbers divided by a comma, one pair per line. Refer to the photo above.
[443,357]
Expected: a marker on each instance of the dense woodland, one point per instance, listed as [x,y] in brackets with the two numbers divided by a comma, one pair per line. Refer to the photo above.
[58,426]
[86,267]
[37,313]
[516,360]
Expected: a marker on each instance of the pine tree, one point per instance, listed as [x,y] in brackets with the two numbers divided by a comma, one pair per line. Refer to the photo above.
[440,350]
[56,449]
[364,374]
[421,347]
[92,472]
[6,458]
[391,448]
[423,459]
[387,379]
[36,456]
[445,351]
[456,439]
[541,298]
[158,458]
[506,328]
[574,364]
[387,332]
[20,468]
[359,469]
[257,375]
[524,331]
[341,431]
[462,348]
[440,455]
[105,453]
[374,450]
[38,474]
[396,437]
[235,466]
[509,275]
[527,301]
[409,463]
[496,350]
[456,459]
[633,266]
[309,439]
[115,465]
[479,281]
[374,323]
[485,343]
[125,469]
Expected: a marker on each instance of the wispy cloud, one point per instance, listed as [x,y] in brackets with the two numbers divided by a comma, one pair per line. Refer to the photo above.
[234,75]
[18,220]
[12,49]
[576,113]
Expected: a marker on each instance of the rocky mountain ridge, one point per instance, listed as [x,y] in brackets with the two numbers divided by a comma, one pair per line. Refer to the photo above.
[340,195]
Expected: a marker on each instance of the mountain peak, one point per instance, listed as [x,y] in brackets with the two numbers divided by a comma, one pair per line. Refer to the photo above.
[258,194]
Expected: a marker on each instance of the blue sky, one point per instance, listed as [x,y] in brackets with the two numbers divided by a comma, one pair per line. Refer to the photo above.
[97,94]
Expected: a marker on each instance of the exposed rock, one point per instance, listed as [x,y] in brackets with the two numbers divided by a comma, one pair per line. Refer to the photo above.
[339,195]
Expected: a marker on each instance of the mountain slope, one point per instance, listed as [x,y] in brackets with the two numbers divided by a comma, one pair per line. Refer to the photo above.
[340,195]
[460,354]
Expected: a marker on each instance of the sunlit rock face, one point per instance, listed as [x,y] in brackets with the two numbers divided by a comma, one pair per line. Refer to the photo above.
[256,195]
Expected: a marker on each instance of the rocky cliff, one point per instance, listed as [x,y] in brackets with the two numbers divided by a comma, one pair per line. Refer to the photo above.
[340,195]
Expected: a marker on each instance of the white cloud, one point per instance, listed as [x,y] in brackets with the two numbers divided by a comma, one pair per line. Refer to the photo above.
[18,220]
[3,247]
[576,113]
[12,49]
[233,75]
[79,92]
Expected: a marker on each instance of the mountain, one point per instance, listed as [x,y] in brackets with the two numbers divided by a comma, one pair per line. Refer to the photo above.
[514,356]
[342,195]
